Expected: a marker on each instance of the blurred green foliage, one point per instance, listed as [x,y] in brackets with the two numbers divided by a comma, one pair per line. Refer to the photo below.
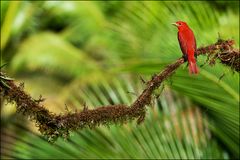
[93,51]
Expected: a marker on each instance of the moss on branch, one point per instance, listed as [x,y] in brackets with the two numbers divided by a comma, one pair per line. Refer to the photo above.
[54,126]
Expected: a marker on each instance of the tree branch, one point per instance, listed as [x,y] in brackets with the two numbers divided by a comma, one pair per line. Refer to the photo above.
[53,126]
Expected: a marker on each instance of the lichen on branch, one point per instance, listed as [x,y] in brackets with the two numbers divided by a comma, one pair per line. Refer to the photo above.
[222,50]
[54,126]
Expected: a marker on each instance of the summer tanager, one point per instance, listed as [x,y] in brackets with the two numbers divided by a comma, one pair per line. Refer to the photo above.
[188,45]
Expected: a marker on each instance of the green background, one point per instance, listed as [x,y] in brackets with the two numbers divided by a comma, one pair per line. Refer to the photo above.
[76,52]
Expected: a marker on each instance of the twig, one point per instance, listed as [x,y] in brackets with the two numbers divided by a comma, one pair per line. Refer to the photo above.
[54,126]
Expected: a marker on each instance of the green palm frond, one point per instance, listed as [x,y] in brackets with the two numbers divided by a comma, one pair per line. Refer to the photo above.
[220,97]
[215,89]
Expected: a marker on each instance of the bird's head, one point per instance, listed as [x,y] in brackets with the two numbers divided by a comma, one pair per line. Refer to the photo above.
[180,24]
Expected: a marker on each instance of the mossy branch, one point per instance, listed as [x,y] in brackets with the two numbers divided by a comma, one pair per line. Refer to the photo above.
[54,126]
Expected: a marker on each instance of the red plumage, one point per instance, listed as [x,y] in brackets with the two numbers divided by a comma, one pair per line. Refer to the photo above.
[188,46]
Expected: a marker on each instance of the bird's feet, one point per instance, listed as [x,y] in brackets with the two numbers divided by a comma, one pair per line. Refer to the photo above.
[185,57]
[195,55]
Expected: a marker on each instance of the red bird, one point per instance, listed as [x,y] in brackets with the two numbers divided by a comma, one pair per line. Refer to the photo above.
[188,45]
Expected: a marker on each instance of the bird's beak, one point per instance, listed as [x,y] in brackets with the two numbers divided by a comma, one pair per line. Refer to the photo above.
[175,24]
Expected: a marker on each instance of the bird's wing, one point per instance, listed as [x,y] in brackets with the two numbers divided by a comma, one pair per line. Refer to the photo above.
[183,43]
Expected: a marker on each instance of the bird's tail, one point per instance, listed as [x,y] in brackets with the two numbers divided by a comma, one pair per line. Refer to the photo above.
[192,66]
